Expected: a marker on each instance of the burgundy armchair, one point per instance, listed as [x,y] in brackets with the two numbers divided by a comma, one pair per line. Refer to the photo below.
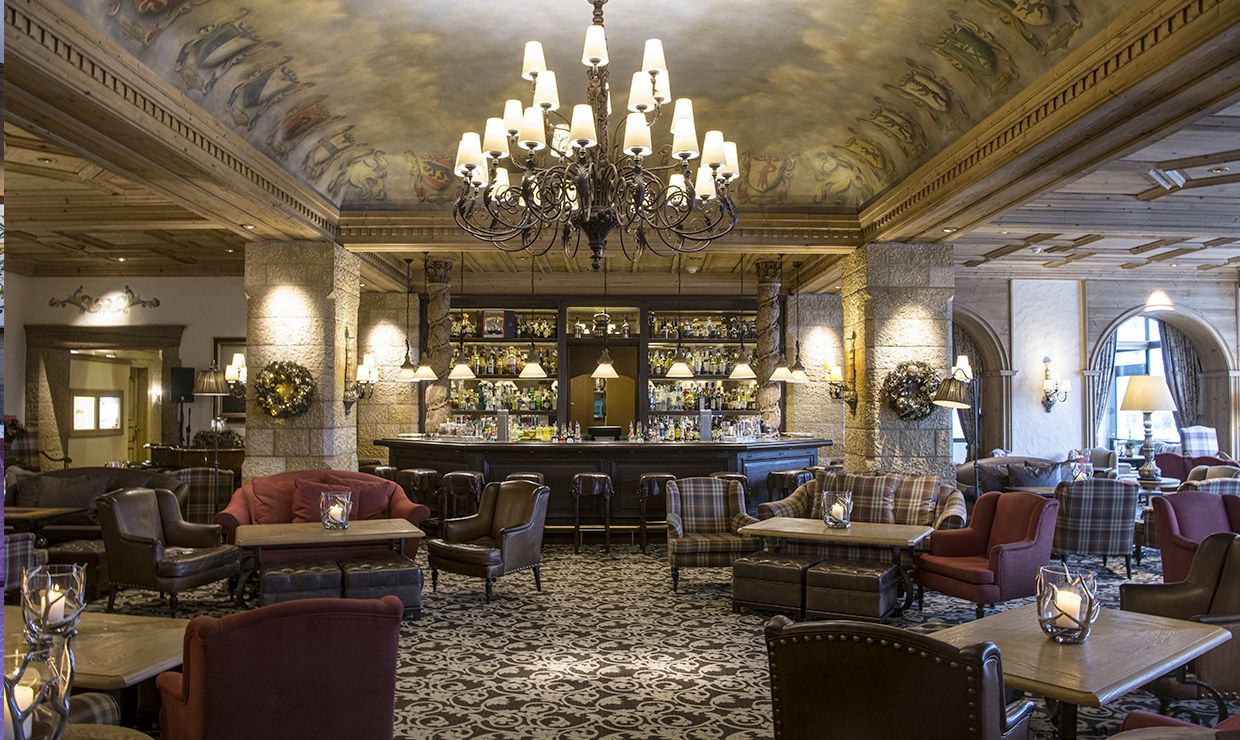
[1184,519]
[306,668]
[996,558]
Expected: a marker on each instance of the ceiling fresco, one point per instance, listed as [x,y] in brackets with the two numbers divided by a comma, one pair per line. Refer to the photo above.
[830,101]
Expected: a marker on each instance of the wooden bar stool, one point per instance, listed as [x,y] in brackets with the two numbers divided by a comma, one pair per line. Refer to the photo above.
[592,484]
[781,483]
[649,485]
[460,483]
[528,475]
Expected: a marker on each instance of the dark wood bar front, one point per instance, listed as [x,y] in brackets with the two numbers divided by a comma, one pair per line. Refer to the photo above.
[623,461]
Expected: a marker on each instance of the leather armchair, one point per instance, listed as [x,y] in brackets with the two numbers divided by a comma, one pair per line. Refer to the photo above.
[307,669]
[150,546]
[864,681]
[1182,520]
[996,558]
[505,536]
[36,490]
[1210,593]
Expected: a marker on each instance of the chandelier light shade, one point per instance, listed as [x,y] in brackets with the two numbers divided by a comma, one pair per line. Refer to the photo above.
[569,180]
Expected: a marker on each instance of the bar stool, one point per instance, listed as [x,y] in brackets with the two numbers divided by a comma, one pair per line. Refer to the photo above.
[649,485]
[383,471]
[528,475]
[738,477]
[592,484]
[781,483]
[456,484]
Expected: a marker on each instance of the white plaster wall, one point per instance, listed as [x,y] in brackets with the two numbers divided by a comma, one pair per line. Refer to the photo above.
[1046,320]
[209,307]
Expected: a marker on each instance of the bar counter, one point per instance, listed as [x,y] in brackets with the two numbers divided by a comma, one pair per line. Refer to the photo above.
[623,461]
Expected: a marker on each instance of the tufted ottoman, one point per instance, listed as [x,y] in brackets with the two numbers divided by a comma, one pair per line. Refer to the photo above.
[850,588]
[770,582]
[376,576]
[313,579]
[91,556]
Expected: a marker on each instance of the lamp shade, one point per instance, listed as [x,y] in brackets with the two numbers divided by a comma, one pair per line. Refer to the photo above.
[1145,393]
[594,54]
[514,112]
[533,366]
[742,370]
[495,139]
[637,135]
[534,63]
[781,373]
[211,382]
[424,372]
[605,369]
[653,61]
[952,394]
[461,371]
[546,92]
[407,372]
[582,132]
[680,367]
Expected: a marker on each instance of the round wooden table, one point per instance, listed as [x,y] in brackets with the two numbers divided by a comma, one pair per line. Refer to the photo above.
[1158,485]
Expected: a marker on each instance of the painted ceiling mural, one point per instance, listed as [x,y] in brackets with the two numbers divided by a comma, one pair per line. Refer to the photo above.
[830,101]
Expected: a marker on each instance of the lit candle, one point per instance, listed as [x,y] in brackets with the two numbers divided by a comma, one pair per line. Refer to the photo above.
[335,513]
[513,113]
[533,132]
[53,605]
[637,135]
[24,696]
[1069,603]
[641,93]
[495,139]
[837,511]
[535,63]
[712,149]
[546,94]
[594,54]
[582,132]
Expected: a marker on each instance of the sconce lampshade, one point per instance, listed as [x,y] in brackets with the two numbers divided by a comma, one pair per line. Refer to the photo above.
[211,382]
[1145,393]
[952,394]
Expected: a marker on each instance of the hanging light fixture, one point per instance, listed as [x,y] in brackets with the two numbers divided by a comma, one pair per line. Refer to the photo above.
[680,366]
[533,364]
[586,183]
[424,371]
[742,370]
[461,370]
[797,373]
[408,371]
[605,370]
[781,373]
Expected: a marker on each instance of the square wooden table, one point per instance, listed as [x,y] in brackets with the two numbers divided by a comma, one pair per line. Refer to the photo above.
[897,537]
[112,651]
[1125,651]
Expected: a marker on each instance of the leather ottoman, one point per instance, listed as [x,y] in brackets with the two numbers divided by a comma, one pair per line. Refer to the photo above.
[319,579]
[853,589]
[88,553]
[770,582]
[376,576]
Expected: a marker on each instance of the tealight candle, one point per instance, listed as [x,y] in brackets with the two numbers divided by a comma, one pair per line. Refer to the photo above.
[24,696]
[53,605]
[837,511]
[335,512]
[1069,603]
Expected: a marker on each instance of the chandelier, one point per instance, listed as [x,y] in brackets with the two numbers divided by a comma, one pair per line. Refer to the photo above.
[536,178]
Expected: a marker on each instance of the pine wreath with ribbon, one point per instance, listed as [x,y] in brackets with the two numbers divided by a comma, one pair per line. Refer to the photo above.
[284,389]
[909,389]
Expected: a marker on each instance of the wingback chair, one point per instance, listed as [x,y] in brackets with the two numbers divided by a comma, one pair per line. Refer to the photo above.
[1096,517]
[1182,520]
[703,515]
[996,558]
[1209,593]
[306,668]
[862,681]
[505,536]
[150,546]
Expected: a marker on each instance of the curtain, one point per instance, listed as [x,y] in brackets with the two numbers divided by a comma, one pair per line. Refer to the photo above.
[1105,378]
[1182,367]
[962,344]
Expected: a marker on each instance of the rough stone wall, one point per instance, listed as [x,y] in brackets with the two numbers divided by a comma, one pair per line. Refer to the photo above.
[394,406]
[767,350]
[809,406]
[897,306]
[302,298]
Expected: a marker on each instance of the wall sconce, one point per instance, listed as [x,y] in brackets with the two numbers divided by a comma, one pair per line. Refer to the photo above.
[362,386]
[1055,388]
[841,381]
[236,374]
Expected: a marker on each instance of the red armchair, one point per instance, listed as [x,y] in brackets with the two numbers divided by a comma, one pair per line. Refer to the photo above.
[1175,465]
[996,558]
[1184,519]
[1139,720]
[306,668]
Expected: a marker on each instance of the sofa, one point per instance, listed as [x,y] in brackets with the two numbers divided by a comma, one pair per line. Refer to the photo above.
[273,499]
[80,488]
[994,473]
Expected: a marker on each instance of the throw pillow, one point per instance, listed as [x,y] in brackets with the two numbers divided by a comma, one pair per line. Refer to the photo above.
[271,501]
[371,499]
[306,497]
[873,496]
[916,498]
[1039,475]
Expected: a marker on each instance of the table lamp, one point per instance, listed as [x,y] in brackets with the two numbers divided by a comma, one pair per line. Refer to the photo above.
[1147,394]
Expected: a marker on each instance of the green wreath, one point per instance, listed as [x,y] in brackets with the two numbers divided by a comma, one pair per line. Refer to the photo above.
[284,389]
[909,389]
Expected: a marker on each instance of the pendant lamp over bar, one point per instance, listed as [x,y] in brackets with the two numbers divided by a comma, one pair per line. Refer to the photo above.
[797,373]
[461,370]
[533,364]
[408,371]
[781,373]
[605,370]
[680,366]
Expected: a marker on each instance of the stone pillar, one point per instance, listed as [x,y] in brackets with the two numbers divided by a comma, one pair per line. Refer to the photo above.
[767,352]
[394,406]
[302,300]
[438,341]
[897,306]
[809,406]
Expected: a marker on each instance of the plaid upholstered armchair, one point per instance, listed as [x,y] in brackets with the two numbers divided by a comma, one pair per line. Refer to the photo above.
[1096,517]
[703,515]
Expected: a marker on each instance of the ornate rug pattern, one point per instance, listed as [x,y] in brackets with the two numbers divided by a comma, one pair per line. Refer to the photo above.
[608,650]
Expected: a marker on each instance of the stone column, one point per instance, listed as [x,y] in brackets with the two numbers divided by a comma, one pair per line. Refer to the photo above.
[302,300]
[439,341]
[767,352]
[897,306]
[394,406]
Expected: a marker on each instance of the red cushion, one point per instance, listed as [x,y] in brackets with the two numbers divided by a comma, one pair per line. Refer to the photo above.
[973,569]
[306,497]
[371,499]
[272,501]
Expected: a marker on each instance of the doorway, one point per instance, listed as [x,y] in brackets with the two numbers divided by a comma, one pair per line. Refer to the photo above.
[137,426]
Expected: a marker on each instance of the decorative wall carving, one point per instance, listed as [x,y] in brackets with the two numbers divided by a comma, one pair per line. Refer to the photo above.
[116,304]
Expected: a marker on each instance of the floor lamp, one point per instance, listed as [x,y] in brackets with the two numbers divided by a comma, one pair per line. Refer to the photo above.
[953,394]
[211,382]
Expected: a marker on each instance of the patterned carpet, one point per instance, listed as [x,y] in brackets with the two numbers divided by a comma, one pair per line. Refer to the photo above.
[608,650]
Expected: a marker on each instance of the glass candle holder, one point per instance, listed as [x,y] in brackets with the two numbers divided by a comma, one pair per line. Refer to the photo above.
[52,598]
[837,509]
[334,508]
[38,676]
[1068,604]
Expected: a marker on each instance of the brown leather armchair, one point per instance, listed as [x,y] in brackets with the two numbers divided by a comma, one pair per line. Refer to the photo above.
[857,680]
[150,546]
[1209,594]
[505,535]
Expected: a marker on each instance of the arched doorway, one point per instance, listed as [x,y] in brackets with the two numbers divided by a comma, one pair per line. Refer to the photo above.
[993,369]
[1218,365]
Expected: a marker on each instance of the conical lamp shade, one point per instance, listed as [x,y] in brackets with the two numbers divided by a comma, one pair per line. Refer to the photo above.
[680,367]
[605,370]
[797,373]
[533,368]
[407,373]
[424,372]
[781,374]
[743,370]
[952,394]
[461,371]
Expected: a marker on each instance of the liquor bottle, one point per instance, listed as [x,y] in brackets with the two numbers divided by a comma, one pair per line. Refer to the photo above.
[577,431]
[625,329]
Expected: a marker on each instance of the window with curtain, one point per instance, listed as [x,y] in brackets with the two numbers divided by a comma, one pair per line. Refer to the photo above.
[1138,351]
